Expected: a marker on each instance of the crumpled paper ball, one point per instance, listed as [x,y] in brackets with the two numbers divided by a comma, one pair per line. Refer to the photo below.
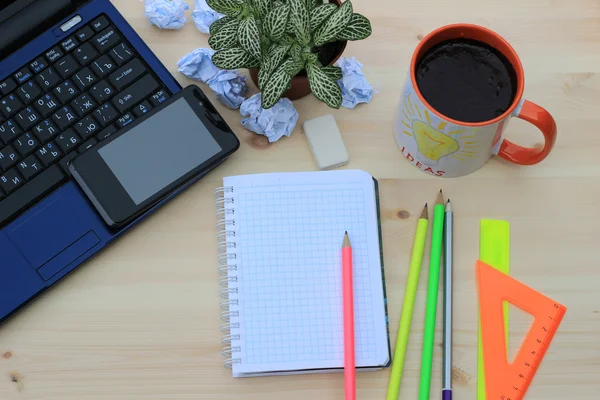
[198,65]
[204,16]
[274,123]
[355,87]
[167,14]
[230,88]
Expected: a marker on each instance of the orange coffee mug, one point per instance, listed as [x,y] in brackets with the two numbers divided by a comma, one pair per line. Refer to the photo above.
[442,146]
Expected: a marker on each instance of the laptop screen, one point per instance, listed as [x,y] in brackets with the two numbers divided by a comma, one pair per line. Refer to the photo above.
[22,20]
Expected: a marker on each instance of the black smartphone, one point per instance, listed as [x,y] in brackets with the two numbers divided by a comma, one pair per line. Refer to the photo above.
[154,157]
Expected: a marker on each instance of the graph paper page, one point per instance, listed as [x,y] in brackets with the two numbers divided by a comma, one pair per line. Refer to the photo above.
[289,230]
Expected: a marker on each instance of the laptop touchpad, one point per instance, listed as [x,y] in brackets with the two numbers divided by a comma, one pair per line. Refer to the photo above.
[51,233]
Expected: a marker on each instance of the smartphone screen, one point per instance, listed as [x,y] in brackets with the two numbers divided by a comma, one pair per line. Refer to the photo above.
[155,153]
[154,157]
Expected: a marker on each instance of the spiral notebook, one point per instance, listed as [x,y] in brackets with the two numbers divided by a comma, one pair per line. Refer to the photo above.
[280,239]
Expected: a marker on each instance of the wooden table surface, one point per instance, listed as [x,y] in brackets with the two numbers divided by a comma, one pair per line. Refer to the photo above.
[141,320]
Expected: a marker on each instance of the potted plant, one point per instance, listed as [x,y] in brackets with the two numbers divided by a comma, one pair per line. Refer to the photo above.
[289,46]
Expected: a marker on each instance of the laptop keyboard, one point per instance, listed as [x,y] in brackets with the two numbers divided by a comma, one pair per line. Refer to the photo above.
[62,103]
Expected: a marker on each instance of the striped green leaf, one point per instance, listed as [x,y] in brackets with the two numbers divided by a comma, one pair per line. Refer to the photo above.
[234,58]
[323,87]
[276,21]
[230,8]
[249,36]
[359,28]
[310,4]
[218,24]
[310,58]
[292,66]
[274,88]
[271,62]
[263,77]
[333,72]
[299,21]
[262,8]
[320,14]
[334,25]
[295,51]
[226,37]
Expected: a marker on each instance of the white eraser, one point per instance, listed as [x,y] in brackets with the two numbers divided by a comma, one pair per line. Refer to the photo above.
[326,142]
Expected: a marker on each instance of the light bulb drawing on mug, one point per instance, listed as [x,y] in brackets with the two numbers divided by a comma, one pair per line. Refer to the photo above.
[432,143]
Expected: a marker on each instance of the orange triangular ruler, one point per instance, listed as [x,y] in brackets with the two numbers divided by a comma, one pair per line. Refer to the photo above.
[504,380]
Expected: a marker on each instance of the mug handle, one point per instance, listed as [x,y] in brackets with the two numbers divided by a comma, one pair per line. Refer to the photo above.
[542,119]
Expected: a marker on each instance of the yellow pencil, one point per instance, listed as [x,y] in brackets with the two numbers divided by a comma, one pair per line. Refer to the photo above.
[407,307]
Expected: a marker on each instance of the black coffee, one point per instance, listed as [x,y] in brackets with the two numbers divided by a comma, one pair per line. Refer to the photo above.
[467,80]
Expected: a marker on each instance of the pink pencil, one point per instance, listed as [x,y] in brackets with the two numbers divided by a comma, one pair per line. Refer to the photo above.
[349,363]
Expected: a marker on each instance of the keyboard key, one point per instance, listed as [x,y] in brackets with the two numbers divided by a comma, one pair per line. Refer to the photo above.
[7,86]
[84,34]
[8,158]
[45,131]
[26,144]
[125,75]
[102,91]
[121,54]
[48,79]
[38,64]
[135,93]
[66,160]
[87,145]
[83,105]
[64,118]
[68,141]
[106,39]
[84,78]
[103,66]
[30,167]
[125,120]
[10,105]
[87,127]
[49,154]
[67,66]
[54,54]
[100,23]
[23,75]
[159,97]
[69,44]
[106,114]
[2,195]
[27,118]
[9,130]
[29,92]
[66,91]
[106,132]
[30,193]
[46,104]
[85,54]
[10,181]
[142,109]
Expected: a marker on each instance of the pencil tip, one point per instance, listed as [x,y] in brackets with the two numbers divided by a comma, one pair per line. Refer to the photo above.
[440,199]
[424,213]
[346,242]
[448,201]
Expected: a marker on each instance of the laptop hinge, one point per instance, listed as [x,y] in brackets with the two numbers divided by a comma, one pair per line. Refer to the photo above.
[29,22]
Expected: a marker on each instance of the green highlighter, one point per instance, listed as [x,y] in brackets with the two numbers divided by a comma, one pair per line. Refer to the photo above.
[494,250]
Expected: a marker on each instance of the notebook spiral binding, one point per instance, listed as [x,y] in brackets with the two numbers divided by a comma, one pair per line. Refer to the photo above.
[228,279]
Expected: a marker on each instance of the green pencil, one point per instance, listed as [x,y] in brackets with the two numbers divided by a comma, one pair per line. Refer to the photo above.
[432,297]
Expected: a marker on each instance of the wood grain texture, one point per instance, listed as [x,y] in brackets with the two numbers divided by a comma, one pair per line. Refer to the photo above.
[141,320]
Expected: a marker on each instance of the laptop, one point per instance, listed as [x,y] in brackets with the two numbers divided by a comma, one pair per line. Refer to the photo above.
[63,65]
